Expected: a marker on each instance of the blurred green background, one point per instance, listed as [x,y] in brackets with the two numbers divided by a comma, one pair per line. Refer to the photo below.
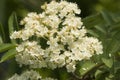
[22,7]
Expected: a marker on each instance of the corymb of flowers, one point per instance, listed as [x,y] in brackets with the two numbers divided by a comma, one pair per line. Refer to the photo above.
[55,38]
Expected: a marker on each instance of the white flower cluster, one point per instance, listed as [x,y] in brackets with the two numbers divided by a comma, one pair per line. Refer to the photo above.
[29,75]
[55,38]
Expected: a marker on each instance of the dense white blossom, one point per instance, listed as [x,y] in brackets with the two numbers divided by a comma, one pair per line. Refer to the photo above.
[29,75]
[55,38]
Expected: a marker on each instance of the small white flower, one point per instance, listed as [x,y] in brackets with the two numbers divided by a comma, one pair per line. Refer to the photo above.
[20,48]
[71,67]
[16,34]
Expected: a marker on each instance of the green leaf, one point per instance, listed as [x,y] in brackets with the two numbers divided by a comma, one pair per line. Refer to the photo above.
[86,67]
[101,74]
[93,20]
[13,24]
[107,78]
[8,55]
[7,46]
[2,33]
[99,28]
[98,72]
[119,53]
[116,26]
[115,46]
[108,62]
[91,32]
[107,17]
[1,40]
[64,75]
[45,72]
